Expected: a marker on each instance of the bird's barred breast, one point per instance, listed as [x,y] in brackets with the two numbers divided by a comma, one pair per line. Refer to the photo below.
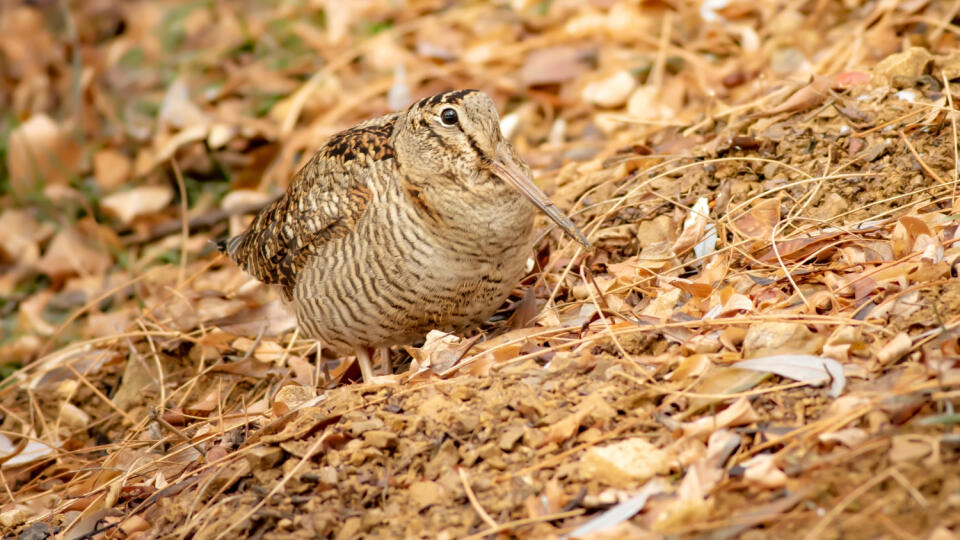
[393,278]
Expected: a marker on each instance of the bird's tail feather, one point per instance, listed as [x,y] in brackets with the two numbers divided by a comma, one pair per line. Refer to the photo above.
[229,246]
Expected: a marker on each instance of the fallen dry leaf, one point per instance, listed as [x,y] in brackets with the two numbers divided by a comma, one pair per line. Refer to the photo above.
[850,437]
[758,222]
[73,253]
[800,367]
[552,65]
[139,201]
[707,471]
[41,153]
[111,169]
[618,514]
[693,227]
[12,455]
[21,236]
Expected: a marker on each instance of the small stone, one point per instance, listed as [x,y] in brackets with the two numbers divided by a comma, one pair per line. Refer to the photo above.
[492,455]
[509,439]
[350,528]
[381,439]
[359,428]
[901,70]
[426,493]
[37,531]
[294,395]
[13,517]
[328,475]
[611,91]
[264,457]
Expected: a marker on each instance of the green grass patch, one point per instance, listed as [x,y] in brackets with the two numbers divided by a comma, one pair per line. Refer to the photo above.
[264,102]
[372,28]
[9,368]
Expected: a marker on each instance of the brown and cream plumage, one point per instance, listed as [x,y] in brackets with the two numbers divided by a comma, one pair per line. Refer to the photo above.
[412,221]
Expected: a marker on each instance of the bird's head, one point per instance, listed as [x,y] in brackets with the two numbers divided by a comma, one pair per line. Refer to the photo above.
[455,137]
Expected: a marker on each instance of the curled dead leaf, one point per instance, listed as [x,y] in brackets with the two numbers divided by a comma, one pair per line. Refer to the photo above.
[737,414]
[177,110]
[762,470]
[699,290]
[707,471]
[849,437]
[803,99]
[906,233]
[439,352]
[693,227]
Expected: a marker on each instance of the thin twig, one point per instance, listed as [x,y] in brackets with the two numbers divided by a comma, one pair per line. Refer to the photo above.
[923,165]
[184,227]
[953,126]
[464,477]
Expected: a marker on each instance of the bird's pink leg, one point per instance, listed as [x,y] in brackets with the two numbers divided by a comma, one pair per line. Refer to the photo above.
[363,358]
[384,354]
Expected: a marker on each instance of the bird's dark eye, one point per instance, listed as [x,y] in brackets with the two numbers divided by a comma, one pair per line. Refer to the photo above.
[448,117]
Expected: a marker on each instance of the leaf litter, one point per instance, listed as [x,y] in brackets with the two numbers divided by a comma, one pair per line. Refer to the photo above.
[772,189]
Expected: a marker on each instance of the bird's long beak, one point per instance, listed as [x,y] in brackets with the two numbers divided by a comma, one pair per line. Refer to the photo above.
[504,166]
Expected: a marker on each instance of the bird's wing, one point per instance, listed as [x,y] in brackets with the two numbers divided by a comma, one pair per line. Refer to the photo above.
[324,201]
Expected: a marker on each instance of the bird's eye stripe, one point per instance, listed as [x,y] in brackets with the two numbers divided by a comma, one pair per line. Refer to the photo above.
[474,146]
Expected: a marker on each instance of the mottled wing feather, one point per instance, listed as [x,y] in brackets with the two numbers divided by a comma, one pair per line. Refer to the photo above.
[324,201]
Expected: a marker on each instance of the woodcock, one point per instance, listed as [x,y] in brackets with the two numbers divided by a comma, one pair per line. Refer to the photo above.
[412,221]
